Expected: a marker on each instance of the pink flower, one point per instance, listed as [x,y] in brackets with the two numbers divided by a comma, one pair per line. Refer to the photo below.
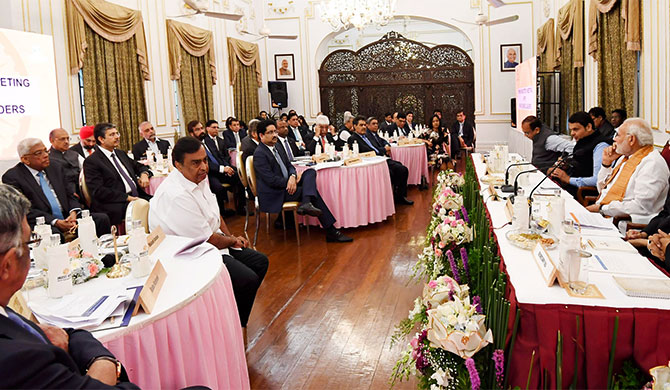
[454,223]
[438,252]
[93,269]
[414,343]
[432,284]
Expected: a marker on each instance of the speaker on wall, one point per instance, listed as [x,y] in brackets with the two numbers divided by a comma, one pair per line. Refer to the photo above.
[278,93]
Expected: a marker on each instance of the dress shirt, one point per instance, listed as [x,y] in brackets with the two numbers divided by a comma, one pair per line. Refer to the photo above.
[3,311]
[34,172]
[460,129]
[153,146]
[296,133]
[237,138]
[556,143]
[125,183]
[183,208]
[323,140]
[646,191]
[592,180]
[87,152]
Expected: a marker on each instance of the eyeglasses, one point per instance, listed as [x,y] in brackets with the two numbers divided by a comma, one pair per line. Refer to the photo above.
[34,241]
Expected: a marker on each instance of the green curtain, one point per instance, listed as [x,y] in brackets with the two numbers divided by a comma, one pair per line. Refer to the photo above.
[245,92]
[114,86]
[617,67]
[196,96]
[572,84]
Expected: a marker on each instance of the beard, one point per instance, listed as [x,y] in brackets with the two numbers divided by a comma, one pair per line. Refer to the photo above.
[201,136]
[622,149]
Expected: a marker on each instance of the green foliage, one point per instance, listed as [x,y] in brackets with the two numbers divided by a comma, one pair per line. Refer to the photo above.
[630,377]
[402,369]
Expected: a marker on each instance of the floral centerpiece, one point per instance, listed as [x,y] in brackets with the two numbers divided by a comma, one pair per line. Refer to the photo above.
[450,178]
[84,266]
[447,200]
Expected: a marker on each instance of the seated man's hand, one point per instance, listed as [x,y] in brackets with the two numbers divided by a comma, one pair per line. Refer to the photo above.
[143,181]
[635,234]
[229,171]
[72,217]
[560,175]
[131,198]
[104,371]
[609,155]
[241,242]
[594,208]
[332,130]
[291,186]
[56,335]
[388,149]
[64,225]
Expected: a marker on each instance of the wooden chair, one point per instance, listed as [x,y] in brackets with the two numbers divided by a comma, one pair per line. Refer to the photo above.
[242,173]
[84,188]
[287,206]
[587,195]
[137,210]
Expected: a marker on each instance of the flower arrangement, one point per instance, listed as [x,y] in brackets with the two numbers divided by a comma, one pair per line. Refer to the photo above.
[447,200]
[450,178]
[83,266]
[451,231]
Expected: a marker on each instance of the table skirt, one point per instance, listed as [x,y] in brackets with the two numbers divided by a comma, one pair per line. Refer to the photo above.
[416,161]
[154,182]
[199,344]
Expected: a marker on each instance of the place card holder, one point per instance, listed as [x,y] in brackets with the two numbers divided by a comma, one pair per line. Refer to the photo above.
[320,158]
[547,266]
[492,192]
[154,239]
[367,154]
[151,289]
[352,161]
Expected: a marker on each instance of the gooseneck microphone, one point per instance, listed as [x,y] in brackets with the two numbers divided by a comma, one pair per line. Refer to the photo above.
[507,187]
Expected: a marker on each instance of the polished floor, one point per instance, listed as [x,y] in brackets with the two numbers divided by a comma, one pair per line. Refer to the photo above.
[325,314]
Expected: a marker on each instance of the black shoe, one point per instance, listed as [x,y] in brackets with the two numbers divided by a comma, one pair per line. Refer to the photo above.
[337,236]
[228,213]
[404,200]
[309,209]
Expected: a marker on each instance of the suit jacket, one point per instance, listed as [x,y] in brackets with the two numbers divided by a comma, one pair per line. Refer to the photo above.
[304,134]
[108,193]
[26,362]
[295,151]
[22,179]
[401,131]
[140,148]
[375,138]
[363,147]
[70,163]
[80,150]
[229,138]
[271,185]
[311,145]
[468,134]
[248,146]
[383,126]
[219,151]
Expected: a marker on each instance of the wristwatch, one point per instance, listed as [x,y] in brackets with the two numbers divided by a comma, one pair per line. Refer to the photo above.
[108,358]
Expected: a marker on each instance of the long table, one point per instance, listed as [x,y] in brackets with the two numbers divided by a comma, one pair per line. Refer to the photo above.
[642,329]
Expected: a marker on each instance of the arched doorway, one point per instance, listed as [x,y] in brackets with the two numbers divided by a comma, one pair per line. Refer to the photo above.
[397,74]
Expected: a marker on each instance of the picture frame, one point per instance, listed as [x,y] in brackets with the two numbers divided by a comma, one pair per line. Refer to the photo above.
[510,56]
[284,67]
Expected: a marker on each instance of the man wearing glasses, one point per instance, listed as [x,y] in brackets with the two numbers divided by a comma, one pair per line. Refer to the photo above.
[44,184]
[60,151]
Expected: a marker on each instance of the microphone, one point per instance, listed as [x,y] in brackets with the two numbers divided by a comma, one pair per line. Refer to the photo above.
[549,172]
[516,182]
[506,187]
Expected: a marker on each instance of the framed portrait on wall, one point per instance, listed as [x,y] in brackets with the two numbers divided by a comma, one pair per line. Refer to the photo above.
[284,67]
[510,56]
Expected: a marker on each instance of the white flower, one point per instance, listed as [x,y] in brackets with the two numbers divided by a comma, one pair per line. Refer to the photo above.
[442,377]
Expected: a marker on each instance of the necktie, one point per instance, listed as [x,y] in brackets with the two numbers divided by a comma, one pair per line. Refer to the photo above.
[288,150]
[237,138]
[89,151]
[284,172]
[213,161]
[297,134]
[18,321]
[367,141]
[460,130]
[124,175]
[53,202]
[323,143]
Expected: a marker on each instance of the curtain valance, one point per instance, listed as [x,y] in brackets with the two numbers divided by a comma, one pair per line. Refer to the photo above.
[570,22]
[630,13]
[545,43]
[248,54]
[195,41]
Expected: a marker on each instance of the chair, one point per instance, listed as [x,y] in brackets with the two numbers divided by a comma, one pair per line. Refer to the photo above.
[138,210]
[84,188]
[287,206]
[587,195]
[242,173]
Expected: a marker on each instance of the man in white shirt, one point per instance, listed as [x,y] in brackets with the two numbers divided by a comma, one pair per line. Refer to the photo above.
[185,206]
[637,184]
[149,141]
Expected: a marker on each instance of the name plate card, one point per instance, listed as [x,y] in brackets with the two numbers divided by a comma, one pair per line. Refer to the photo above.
[367,154]
[73,245]
[320,158]
[352,161]
[407,141]
[151,289]
[154,239]
[18,303]
[545,264]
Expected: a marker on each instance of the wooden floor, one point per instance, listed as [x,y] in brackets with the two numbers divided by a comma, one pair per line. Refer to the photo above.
[324,316]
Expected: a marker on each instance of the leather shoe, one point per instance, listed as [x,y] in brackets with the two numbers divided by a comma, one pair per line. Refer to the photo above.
[404,200]
[309,209]
[228,213]
[337,236]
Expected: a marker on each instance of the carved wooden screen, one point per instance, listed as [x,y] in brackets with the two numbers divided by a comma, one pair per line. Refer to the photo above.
[397,74]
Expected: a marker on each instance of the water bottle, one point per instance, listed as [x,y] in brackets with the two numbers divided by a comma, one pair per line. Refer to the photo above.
[88,241]
[355,148]
[59,275]
[137,242]
[520,220]
[39,253]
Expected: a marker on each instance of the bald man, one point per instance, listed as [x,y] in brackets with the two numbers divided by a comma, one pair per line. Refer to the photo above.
[61,153]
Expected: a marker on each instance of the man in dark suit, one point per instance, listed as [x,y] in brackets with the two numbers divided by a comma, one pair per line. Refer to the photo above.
[40,356]
[324,134]
[604,126]
[462,134]
[43,183]
[388,122]
[233,135]
[289,145]
[86,145]
[296,132]
[220,168]
[278,182]
[250,142]
[400,125]
[60,141]
[113,178]
[373,133]
[397,171]
[149,141]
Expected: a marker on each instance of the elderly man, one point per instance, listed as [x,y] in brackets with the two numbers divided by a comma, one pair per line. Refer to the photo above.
[149,141]
[511,59]
[60,152]
[324,134]
[547,145]
[113,178]
[44,184]
[185,206]
[40,356]
[86,145]
[634,177]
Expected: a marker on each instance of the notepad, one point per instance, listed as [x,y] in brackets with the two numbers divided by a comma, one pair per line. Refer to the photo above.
[644,287]
[611,244]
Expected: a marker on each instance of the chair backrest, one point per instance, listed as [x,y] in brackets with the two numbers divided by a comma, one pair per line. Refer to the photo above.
[137,210]
[84,188]
[241,171]
[251,174]
[666,153]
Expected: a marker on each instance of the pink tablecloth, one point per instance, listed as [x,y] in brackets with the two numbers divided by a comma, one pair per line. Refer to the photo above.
[357,195]
[154,182]
[199,344]
[415,159]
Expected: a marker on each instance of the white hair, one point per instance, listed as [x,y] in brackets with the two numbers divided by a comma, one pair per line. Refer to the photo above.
[13,208]
[253,125]
[142,124]
[641,129]
[322,120]
[25,145]
[347,116]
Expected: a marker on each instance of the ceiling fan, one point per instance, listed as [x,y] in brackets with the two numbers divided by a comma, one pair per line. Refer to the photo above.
[200,9]
[265,32]
[483,20]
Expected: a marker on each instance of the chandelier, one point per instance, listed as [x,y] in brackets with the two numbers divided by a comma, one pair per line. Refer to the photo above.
[343,14]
